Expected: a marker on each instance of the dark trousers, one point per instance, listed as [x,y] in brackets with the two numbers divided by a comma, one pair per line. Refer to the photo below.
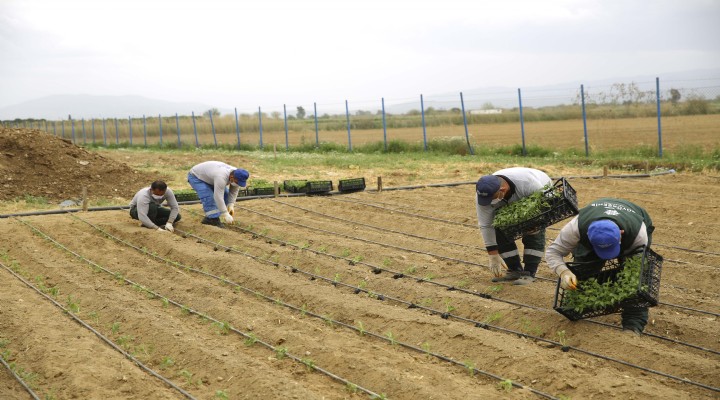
[158,215]
[632,317]
[534,249]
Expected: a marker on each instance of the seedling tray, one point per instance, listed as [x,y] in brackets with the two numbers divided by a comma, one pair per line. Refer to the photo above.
[646,293]
[185,195]
[351,185]
[295,186]
[318,187]
[262,191]
[560,207]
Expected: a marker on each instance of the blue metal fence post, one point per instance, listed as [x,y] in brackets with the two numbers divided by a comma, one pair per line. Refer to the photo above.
[130,130]
[117,133]
[54,128]
[160,123]
[197,142]
[347,116]
[92,127]
[260,126]
[584,117]
[177,126]
[657,96]
[317,136]
[522,122]
[62,125]
[422,114]
[46,126]
[83,130]
[104,132]
[72,129]
[287,146]
[237,128]
[467,136]
[384,123]
[144,130]
[212,126]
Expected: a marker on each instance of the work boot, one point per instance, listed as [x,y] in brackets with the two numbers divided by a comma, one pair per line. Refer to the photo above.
[213,222]
[508,277]
[632,331]
[524,280]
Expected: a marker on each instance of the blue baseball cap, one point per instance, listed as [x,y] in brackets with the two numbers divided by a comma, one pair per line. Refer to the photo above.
[241,176]
[604,236]
[486,187]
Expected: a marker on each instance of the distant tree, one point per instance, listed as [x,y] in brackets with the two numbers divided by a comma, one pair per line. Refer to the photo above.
[413,112]
[455,110]
[213,111]
[362,112]
[430,110]
[275,114]
[675,96]
[300,112]
[488,106]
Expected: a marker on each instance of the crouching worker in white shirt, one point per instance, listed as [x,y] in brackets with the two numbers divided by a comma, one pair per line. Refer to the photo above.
[145,206]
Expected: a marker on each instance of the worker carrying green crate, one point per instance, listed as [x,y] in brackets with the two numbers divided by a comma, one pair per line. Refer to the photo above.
[605,229]
[146,207]
[210,179]
[498,190]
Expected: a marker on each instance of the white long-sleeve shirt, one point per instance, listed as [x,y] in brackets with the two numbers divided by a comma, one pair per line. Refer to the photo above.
[569,238]
[524,182]
[142,200]
[217,174]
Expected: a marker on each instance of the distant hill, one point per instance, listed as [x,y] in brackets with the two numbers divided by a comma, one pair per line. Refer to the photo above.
[88,106]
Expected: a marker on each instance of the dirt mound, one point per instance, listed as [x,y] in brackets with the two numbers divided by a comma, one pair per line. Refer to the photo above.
[33,162]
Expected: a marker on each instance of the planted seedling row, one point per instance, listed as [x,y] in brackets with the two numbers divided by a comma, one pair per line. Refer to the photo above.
[181,266]
[448,315]
[304,311]
[376,269]
[224,327]
[553,279]
[72,311]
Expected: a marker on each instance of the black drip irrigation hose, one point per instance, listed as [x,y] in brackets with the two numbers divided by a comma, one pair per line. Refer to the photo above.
[380,228]
[193,311]
[98,334]
[397,275]
[302,310]
[12,370]
[448,315]
[430,254]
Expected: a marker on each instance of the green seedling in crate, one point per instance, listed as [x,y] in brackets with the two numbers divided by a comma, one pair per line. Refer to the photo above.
[351,387]
[524,209]
[73,305]
[250,340]
[426,346]
[593,295]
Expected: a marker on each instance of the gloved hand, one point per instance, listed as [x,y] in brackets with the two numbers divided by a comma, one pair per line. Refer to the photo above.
[169,227]
[231,209]
[227,218]
[161,230]
[568,281]
[497,265]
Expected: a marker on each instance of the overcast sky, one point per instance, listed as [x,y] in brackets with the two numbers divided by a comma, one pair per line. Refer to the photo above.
[267,52]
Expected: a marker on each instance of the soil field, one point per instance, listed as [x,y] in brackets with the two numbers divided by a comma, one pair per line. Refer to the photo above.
[350,296]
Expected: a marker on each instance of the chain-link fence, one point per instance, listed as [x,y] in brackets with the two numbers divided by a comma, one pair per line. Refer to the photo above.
[644,118]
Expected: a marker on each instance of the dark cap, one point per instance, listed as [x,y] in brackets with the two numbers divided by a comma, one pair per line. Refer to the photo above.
[486,187]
